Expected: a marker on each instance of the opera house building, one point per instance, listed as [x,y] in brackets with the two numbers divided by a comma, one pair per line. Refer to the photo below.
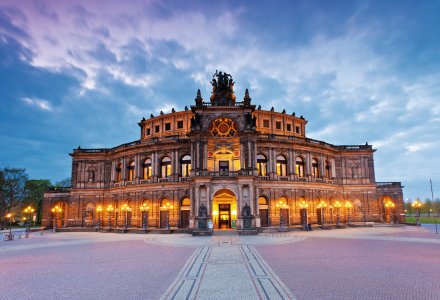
[230,162]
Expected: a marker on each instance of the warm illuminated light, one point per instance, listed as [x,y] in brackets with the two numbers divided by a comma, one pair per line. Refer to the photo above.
[322,204]
[125,207]
[110,208]
[99,208]
[56,209]
[234,212]
[144,207]
[417,204]
[337,204]
[215,213]
[8,216]
[348,205]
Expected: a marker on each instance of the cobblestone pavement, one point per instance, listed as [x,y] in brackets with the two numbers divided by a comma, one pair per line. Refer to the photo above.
[394,262]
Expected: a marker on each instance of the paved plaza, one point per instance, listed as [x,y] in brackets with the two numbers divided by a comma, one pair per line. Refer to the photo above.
[386,262]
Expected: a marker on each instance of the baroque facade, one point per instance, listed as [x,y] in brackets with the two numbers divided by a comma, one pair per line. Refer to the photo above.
[224,155]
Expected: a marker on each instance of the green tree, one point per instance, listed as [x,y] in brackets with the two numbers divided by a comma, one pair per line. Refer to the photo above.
[12,189]
[66,182]
[35,195]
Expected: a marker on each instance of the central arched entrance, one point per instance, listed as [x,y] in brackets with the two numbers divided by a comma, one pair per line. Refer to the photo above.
[224,209]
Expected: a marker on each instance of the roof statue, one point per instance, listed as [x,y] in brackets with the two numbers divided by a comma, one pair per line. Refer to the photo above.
[222,89]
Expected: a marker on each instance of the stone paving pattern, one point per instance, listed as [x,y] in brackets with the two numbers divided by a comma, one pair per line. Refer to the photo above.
[400,262]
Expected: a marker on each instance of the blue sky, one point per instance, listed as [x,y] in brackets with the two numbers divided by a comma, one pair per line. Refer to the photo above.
[85,72]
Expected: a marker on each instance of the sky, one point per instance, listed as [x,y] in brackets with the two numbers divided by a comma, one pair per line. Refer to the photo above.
[84,73]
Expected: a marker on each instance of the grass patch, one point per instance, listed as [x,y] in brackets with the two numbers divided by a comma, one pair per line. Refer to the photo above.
[423,220]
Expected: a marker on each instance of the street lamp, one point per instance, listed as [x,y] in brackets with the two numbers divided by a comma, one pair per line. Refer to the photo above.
[417,205]
[125,208]
[9,216]
[390,206]
[322,205]
[348,206]
[28,212]
[55,211]
[144,210]
[110,212]
[99,211]
[303,210]
[167,207]
[338,206]
[281,205]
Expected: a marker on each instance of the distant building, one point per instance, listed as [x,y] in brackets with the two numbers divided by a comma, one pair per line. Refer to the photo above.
[223,154]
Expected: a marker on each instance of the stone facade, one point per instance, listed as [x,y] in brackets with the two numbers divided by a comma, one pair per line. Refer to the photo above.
[223,154]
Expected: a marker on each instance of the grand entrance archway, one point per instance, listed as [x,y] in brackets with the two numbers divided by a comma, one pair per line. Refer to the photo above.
[224,209]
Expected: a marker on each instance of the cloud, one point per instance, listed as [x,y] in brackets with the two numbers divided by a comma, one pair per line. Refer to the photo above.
[39,103]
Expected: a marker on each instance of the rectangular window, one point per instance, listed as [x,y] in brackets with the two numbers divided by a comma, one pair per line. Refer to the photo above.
[289,127]
[298,130]
[148,131]
[179,124]
[278,125]
[157,128]
[167,126]
[266,123]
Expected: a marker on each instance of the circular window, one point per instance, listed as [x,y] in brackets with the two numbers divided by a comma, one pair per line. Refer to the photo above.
[223,127]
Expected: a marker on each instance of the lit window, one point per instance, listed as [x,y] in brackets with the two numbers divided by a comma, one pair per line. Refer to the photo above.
[165,167]
[328,169]
[148,170]
[315,168]
[131,171]
[185,165]
[261,165]
[281,165]
[118,173]
[299,166]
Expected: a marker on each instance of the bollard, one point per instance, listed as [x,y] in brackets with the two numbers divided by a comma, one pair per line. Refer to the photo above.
[26,234]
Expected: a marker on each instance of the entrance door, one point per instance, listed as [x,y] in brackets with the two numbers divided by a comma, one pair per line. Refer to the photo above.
[163,218]
[264,218]
[184,218]
[223,167]
[285,217]
[224,216]
[319,215]
[303,213]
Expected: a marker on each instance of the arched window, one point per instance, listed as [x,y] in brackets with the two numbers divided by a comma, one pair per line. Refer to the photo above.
[118,173]
[281,165]
[147,169]
[261,165]
[328,169]
[131,171]
[299,166]
[262,201]
[185,164]
[165,166]
[186,202]
[315,168]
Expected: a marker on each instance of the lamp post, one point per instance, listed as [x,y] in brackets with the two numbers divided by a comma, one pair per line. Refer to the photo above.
[303,206]
[144,210]
[99,211]
[28,212]
[9,216]
[110,212]
[348,206]
[125,208]
[55,211]
[390,206]
[167,207]
[338,219]
[322,205]
[417,205]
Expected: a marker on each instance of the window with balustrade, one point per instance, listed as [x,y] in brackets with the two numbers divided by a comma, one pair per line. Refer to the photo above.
[299,166]
[281,165]
[261,165]
[185,165]
[165,166]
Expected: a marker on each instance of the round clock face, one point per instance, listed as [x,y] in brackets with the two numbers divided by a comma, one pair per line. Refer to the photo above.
[223,127]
